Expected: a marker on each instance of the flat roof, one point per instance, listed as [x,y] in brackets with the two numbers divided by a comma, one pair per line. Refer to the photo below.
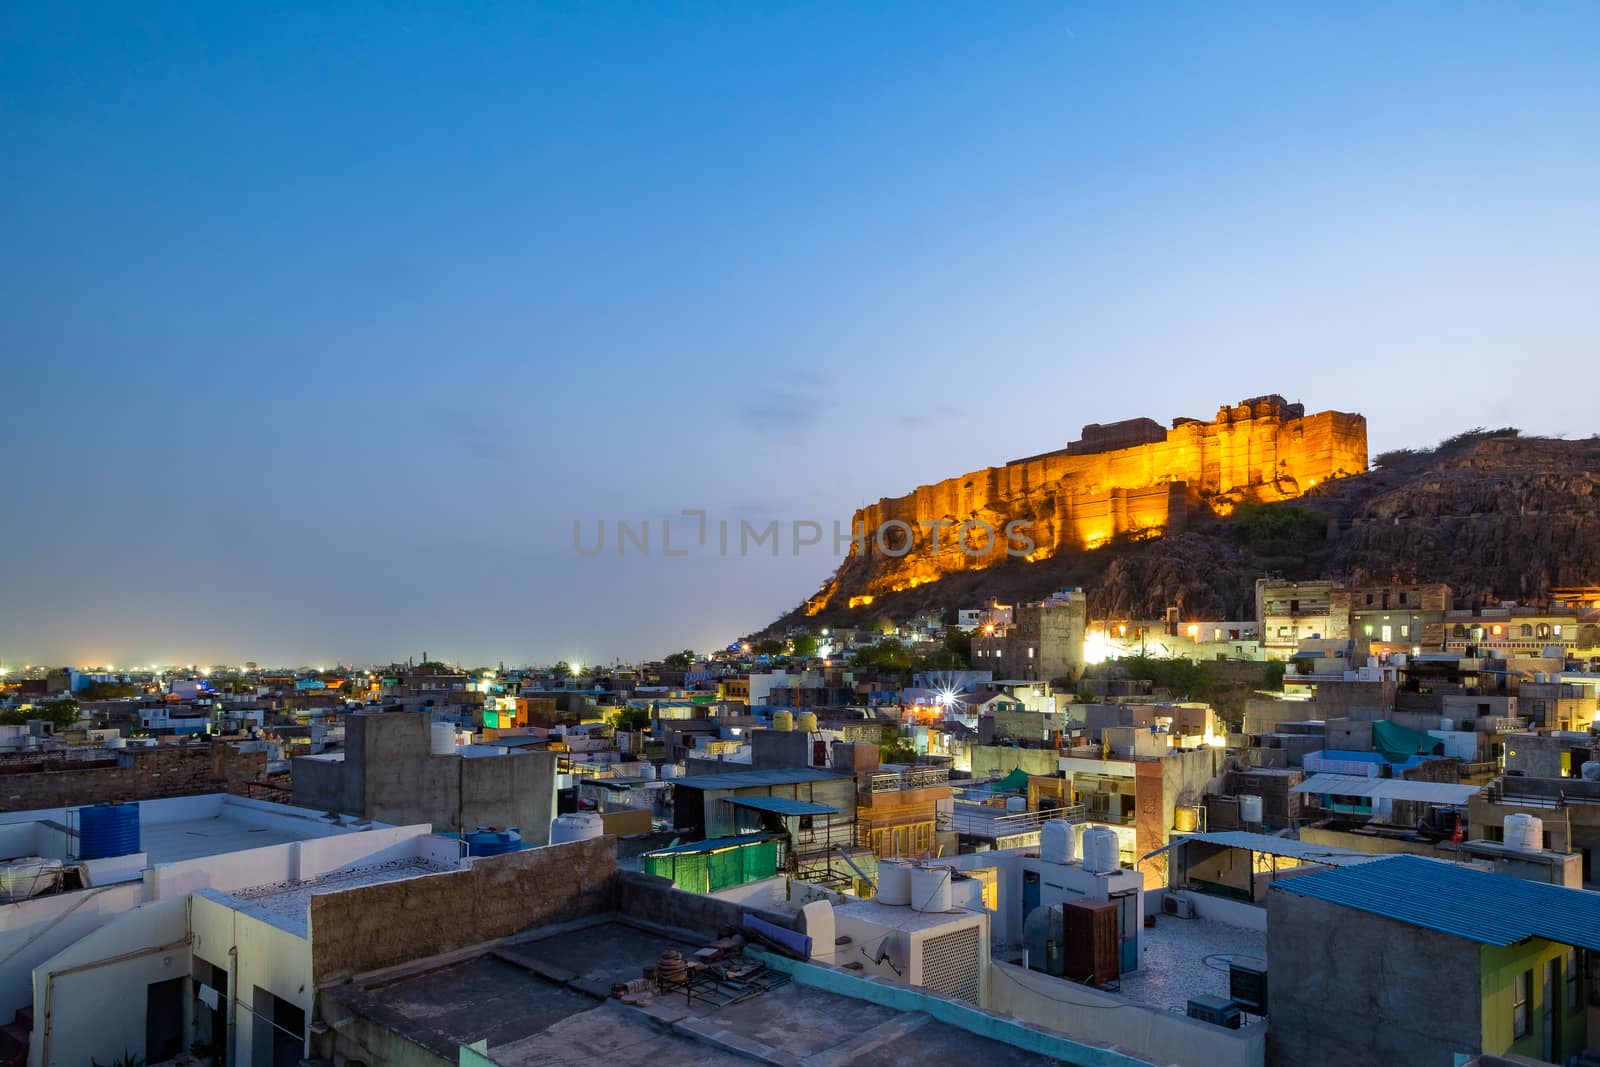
[781,805]
[1187,958]
[1351,785]
[1270,845]
[712,844]
[288,906]
[1491,909]
[757,779]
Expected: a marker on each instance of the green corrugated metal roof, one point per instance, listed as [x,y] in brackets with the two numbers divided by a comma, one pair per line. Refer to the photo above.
[715,844]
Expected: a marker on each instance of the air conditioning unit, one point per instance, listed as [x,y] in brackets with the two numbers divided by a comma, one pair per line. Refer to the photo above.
[1182,907]
[1215,1010]
[1248,987]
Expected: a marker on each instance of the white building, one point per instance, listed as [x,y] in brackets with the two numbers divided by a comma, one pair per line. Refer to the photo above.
[105,950]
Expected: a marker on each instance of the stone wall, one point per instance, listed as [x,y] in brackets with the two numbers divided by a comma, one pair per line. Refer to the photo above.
[378,926]
[134,774]
[1073,499]
[1349,987]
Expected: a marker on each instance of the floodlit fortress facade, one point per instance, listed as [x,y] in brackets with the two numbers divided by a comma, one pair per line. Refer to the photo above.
[1134,477]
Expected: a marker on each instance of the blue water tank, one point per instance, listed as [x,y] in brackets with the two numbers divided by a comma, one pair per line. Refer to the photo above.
[486,841]
[106,830]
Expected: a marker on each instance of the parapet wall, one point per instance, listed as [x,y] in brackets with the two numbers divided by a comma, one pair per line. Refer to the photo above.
[134,774]
[377,926]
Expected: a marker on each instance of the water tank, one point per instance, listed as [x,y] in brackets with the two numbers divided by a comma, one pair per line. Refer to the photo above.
[1186,820]
[1058,842]
[671,770]
[930,889]
[1016,805]
[488,841]
[647,771]
[894,883]
[1446,725]
[1524,833]
[106,830]
[576,826]
[966,892]
[116,742]
[1042,933]
[1249,809]
[442,739]
[783,720]
[806,721]
[1102,853]
[1590,771]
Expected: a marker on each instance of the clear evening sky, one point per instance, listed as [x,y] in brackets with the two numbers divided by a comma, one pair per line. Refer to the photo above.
[322,324]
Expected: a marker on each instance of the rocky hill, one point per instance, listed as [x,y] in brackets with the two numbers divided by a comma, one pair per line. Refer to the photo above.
[1492,513]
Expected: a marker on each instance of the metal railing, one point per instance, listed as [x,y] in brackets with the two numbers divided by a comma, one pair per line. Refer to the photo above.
[914,778]
[981,824]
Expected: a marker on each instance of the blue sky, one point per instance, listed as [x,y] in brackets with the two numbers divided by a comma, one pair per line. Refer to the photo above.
[322,324]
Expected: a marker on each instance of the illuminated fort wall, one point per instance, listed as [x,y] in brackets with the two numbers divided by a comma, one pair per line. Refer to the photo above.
[1091,491]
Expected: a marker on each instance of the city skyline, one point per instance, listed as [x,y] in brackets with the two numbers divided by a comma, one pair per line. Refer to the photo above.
[323,329]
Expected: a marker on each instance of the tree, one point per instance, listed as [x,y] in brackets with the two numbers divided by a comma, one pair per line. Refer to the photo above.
[680,661]
[888,654]
[562,669]
[632,719]
[770,646]
[62,715]
[892,748]
[805,646]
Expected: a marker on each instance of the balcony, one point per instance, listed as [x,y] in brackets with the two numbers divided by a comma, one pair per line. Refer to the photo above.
[898,781]
[992,823]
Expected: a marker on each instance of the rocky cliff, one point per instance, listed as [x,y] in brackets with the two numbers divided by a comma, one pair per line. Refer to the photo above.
[1492,514]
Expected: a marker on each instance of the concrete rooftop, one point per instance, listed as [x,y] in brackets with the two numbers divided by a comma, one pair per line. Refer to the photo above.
[287,906]
[1186,958]
[544,1000]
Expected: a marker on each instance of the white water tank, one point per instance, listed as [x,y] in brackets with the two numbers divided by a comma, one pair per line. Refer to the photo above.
[930,889]
[1525,833]
[1249,809]
[1058,842]
[894,883]
[442,739]
[1102,853]
[966,893]
[1446,725]
[647,771]
[671,770]
[1016,805]
[576,826]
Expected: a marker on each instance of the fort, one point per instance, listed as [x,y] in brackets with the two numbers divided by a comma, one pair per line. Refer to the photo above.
[1125,478]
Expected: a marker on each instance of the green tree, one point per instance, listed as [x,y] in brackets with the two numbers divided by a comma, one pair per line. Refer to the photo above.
[892,748]
[562,669]
[62,715]
[805,646]
[769,646]
[679,661]
[888,654]
[631,719]
[1274,672]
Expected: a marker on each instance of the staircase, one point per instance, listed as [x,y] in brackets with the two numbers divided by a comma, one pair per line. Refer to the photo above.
[14,1037]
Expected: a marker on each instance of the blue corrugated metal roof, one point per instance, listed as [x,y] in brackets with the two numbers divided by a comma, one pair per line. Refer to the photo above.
[714,844]
[782,805]
[1491,909]
[751,779]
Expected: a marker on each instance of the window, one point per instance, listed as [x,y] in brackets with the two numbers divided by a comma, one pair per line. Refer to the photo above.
[1405,630]
[1369,599]
[1030,651]
[1574,978]
[1527,631]
[1519,1004]
[1367,629]
[1402,598]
